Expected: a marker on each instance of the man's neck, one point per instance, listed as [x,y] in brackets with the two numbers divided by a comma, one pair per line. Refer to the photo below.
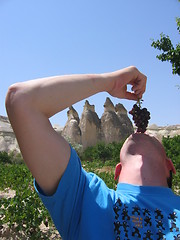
[142,176]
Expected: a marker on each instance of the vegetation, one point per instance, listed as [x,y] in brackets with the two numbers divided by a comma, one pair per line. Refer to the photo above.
[102,152]
[170,52]
[172,147]
[25,212]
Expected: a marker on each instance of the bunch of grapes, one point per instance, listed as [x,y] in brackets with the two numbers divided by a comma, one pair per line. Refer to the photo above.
[141,117]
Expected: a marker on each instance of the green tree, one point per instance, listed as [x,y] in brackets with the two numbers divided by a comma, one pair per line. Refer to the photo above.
[170,52]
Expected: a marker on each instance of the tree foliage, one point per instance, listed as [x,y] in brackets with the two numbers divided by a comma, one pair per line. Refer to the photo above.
[170,52]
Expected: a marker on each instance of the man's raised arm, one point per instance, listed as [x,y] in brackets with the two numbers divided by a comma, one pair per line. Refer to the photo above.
[30,105]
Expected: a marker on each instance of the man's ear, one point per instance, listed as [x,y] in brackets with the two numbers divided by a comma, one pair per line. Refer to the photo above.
[170,165]
[117,171]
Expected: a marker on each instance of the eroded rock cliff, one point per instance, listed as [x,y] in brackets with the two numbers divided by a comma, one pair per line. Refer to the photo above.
[8,141]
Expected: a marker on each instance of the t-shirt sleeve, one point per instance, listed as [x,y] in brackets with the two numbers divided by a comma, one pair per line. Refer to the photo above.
[65,204]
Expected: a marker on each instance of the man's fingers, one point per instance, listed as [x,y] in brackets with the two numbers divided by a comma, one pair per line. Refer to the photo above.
[139,87]
[138,92]
[139,84]
[131,96]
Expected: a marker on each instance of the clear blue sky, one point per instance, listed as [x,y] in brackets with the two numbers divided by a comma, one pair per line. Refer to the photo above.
[45,38]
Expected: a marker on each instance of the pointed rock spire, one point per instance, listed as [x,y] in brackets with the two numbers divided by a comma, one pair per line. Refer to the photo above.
[90,126]
[72,114]
[108,105]
[71,130]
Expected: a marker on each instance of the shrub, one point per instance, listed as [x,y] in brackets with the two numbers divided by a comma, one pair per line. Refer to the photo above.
[172,148]
[11,157]
[102,152]
[4,157]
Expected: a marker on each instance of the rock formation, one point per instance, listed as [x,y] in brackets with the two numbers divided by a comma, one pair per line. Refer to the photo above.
[72,131]
[160,132]
[8,141]
[90,126]
[125,123]
[110,124]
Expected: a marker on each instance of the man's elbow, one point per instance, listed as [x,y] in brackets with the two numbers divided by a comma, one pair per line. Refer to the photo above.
[15,100]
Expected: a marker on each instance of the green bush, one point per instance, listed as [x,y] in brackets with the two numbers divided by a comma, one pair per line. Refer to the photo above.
[172,148]
[11,157]
[102,152]
[4,157]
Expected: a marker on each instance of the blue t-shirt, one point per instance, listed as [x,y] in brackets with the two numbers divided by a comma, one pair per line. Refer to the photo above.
[84,208]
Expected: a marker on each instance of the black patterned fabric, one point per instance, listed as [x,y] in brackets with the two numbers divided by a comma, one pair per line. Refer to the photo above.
[136,216]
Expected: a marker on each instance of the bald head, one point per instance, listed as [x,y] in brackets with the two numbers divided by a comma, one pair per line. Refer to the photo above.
[144,145]
[143,161]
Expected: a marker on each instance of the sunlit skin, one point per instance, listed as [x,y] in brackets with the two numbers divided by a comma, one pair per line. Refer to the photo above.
[143,162]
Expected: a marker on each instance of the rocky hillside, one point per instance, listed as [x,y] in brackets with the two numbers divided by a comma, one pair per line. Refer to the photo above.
[114,125]
[8,141]
[159,132]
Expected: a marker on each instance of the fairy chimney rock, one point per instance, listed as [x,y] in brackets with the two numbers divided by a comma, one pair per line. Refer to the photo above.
[72,114]
[108,106]
[71,130]
[90,126]
[110,125]
[120,109]
[88,107]
[126,124]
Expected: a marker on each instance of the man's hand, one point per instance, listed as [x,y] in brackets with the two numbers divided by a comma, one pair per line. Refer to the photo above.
[119,80]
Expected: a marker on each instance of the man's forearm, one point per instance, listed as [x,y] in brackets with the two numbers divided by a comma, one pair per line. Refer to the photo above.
[53,94]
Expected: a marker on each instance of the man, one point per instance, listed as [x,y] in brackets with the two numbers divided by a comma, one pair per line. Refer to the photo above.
[81,205]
